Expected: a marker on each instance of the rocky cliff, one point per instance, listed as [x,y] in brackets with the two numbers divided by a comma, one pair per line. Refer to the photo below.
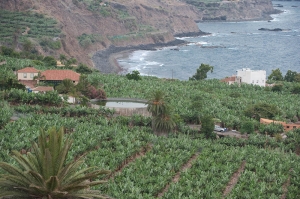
[234,10]
[94,25]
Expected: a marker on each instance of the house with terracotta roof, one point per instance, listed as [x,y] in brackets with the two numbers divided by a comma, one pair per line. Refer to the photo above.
[229,80]
[286,126]
[248,76]
[56,76]
[27,73]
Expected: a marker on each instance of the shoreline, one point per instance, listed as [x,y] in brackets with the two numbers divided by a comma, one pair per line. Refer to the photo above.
[106,60]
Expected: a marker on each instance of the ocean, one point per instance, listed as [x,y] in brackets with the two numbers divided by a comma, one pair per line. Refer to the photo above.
[229,47]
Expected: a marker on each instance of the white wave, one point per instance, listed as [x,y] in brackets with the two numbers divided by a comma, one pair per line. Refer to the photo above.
[152,63]
[183,38]
[233,48]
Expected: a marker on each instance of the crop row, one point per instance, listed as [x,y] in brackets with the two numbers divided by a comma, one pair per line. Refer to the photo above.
[265,174]
[209,175]
[148,175]
[109,143]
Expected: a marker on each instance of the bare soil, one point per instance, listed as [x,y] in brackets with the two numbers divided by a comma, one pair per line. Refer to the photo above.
[285,188]
[129,160]
[234,179]
[177,175]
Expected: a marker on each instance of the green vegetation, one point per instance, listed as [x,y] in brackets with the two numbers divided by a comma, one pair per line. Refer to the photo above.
[158,106]
[202,72]
[86,40]
[46,173]
[18,27]
[203,4]
[135,75]
[267,160]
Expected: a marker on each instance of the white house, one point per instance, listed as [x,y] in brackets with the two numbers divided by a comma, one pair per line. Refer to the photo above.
[255,77]
[27,73]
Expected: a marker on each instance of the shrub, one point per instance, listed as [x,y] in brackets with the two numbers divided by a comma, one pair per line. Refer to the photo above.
[135,75]
[247,127]
[94,93]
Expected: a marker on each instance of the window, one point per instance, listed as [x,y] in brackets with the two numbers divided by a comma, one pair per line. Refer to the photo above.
[257,81]
[31,75]
[252,81]
[25,75]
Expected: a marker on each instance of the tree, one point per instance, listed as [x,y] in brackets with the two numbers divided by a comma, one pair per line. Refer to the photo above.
[157,103]
[27,45]
[247,127]
[83,84]
[202,72]
[290,76]
[45,173]
[164,123]
[66,86]
[297,77]
[276,75]
[158,106]
[277,88]
[135,75]
[262,110]
[62,58]
[49,61]
[207,126]
[83,69]
[296,89]
[94,93]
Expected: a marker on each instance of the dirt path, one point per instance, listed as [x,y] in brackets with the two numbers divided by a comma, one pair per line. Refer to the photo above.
[129,160]
[234,179]
[285,188]
[177,175]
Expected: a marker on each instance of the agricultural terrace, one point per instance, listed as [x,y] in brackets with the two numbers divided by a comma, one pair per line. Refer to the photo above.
[19,26]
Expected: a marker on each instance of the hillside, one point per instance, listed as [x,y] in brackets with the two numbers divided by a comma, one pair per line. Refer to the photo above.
[83,27]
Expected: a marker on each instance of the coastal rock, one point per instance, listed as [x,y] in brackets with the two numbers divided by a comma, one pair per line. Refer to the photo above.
[235,10]
[274,29]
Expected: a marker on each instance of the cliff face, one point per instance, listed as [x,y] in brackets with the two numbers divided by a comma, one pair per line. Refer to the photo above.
[235,10]
[129,22]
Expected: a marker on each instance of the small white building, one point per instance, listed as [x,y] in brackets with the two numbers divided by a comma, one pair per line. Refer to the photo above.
[255,77]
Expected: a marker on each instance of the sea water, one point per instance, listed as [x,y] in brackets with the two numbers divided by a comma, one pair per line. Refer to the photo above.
[229,47]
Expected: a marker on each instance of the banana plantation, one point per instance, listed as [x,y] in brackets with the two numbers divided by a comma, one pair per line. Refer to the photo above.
[183,164]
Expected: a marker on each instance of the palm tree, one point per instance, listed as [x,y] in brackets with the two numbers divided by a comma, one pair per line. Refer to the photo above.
[157,104]
[45,173]
[163,123]
[161,114]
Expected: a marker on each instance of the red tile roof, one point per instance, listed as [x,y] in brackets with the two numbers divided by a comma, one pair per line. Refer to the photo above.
[28,83]
[43,88]
[229,79]
[28,70]
[60,75]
